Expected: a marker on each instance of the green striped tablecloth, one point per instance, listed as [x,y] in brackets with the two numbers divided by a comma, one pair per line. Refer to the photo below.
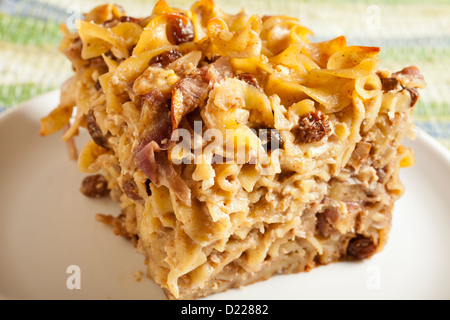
[414,32]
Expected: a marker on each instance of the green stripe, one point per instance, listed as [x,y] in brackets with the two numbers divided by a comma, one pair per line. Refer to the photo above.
[430,110]
[14,94]
[433,55]
[14,29]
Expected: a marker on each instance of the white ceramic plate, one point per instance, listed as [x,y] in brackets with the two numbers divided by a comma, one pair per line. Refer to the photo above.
[46,225]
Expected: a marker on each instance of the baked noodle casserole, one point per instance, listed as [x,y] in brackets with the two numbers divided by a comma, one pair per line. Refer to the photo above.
[237,147]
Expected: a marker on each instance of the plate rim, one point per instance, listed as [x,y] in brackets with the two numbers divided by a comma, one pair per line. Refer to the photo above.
[26,104]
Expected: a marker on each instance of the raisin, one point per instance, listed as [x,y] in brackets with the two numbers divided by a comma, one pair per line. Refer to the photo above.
[250,79]
[130,189]
[165,58]
[147,187]
[180,30]
[94,130]
[313,127]
[271,139]
[361,247]
[389,84]
[94,186]
[414,95]
[129,19]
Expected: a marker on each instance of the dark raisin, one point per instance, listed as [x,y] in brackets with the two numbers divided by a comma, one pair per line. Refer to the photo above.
[361,247]
[94,130]
[313,127]
[250,79]
[147,187]
[180,30]
[94,186]
[393,83]
[414,95]
[130,189]
[129,19]
[165,58]
[271,139]
[389,84]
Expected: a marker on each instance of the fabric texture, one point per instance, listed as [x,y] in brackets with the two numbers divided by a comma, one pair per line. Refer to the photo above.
[414,32]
